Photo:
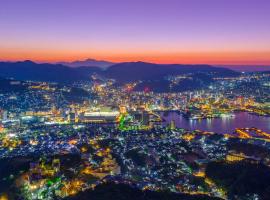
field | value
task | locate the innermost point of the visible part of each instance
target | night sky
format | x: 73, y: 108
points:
x: 162, y: 31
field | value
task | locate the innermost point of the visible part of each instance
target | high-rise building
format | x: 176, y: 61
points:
x: 72, y: 117
x: 145, y: 118
x: 4, y: 115
x: 172, y: 125
x: 123, y: 109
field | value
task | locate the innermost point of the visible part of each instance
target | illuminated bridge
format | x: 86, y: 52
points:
x: 252, y: 133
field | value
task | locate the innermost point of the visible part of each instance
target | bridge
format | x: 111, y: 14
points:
x: 248, y: 133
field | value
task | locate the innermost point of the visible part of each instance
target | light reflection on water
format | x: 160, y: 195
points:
x: 219, y: 125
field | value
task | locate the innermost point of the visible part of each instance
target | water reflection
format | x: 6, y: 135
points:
x: 219, y: 125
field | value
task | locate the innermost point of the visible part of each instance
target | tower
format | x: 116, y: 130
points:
x: 172, y: 125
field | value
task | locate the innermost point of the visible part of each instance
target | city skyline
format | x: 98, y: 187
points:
x: 134, y: 99
x: 224, y: 33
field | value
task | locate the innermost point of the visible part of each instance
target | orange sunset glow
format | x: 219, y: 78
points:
x: 248, y: 58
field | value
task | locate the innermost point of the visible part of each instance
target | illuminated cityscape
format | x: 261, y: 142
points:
x: 76, y: 136
x: 134, y: 124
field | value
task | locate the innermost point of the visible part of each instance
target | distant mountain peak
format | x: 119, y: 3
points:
x: 93, y: 60
x: 89, y: 62
x: 27, y: 62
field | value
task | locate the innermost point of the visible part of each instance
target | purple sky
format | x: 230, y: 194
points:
x: 221, y: 31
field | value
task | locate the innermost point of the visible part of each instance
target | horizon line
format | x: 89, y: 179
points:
x: 134, y: 61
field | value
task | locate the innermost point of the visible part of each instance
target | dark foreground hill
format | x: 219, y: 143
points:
x: 193, y: 82
x: 151, y: 76
x: 241, y: 180
x: 132, y: 71
x: 7, y: 85
x: 29, y: 70
x: 111, y: 191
